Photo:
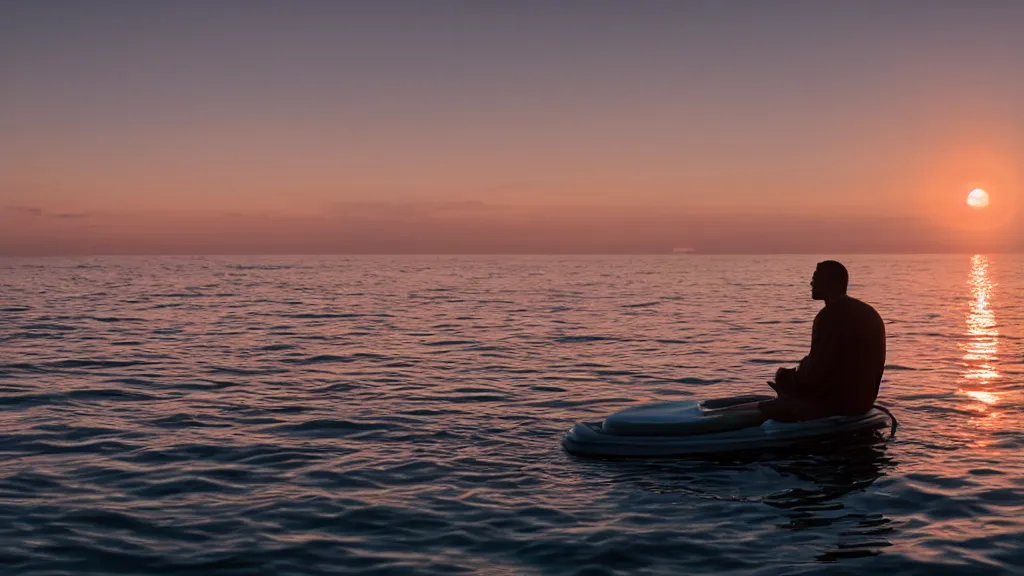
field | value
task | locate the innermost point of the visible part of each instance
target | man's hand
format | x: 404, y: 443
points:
x: 784, y: 379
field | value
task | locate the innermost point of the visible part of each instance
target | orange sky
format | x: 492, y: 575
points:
x: 352, y: 128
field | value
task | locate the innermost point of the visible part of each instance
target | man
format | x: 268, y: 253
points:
x: 842, y: 372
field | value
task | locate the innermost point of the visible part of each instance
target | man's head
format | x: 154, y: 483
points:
x: 830, y: 281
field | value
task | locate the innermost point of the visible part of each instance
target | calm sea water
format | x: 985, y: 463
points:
x: 402, y: 415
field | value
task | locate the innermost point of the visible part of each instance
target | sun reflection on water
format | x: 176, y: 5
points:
x: 986, y: 397
x: 982, y: 344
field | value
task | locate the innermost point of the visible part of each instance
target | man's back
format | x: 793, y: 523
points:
x: 844, y: 368
x: 861, y: 359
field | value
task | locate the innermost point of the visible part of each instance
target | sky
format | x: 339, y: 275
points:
x: 490, y: 126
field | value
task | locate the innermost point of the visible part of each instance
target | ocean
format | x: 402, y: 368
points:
x: 403, y: 415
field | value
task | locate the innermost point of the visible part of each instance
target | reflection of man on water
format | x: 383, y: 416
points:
x: 842, y: 372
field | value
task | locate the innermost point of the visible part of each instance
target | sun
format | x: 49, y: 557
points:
x: 978, y: 198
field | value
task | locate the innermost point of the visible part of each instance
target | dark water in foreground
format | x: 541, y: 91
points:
x: 403, y: 415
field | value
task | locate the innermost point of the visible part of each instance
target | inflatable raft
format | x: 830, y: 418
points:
x: 705, y: 427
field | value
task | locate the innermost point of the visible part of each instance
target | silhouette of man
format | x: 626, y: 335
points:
x: 842, y: 372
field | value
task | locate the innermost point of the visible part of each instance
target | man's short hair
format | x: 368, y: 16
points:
x: 834, y: 273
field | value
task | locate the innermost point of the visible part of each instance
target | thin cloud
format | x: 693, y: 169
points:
x: 415, y: 208
x: 24, y: 211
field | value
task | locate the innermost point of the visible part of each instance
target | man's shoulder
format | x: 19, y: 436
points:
x: 860, y: 303
x: 862, y: 306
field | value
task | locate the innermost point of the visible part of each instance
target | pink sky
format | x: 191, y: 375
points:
x: 353, y: 128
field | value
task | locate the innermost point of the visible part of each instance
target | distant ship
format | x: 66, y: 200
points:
x: 683, y: 250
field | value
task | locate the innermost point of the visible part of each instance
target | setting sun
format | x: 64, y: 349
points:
x: 978, y: 198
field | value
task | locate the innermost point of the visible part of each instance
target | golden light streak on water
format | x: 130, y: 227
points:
x: 982, y: 344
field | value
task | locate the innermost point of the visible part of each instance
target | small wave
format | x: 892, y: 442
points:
x: 117, y: 520
x: 131, y: 381
x: 485, y: 348
x: 472, y: 390
x: 260, y: 267
x: 27, y: 399
x: 700, y: 381
x: 185, y: 485
x: 183, y: 420
x: 341, y: 481
x: 333, y: 426
x: 274, y: 457
x: 322, y: 359
x: 641, y: 305
x: 166, y: 305
x: 53, y: 327
x: 113, y: 319
x: 563, y: 403
x: 449, y: 343
x: 852, y: 551
x: 547, y: 389
x: 246, y: 372
x: 460, y: 399
x: 36, y: 336
x: 472, y: 398
x: 432, y: 412
x: 97, y: 363
x: 325, y: 315
x: 619, y: 373
x: 278, y: 347
x: 985, y: 472
x: 25, y: 366
x: 583, y: 339
x: 107, y: 394
x: 107, y: 446
x: 79, y: 433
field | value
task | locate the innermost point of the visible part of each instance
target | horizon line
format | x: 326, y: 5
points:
x: 431, y: 254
